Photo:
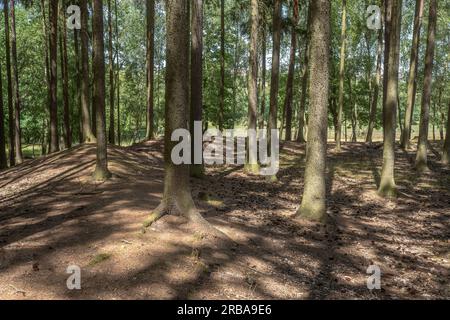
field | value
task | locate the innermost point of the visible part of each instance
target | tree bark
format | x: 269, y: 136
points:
x: 177, y: 197
x: 422, y: 148
x: 376, y: 89
x: 275, y: 77
x: 222, y: 66
x: 12, y: 153
x: 263, y: 73
x: 252, y: 162
x: 53, y: 48
x: 3, y: 158
x: 391, y: 68
x: 446, y: 150
x: 65, y: 80
x: 196, y: 110
x: 313, y: 205
x: 119, y: 134
x: 412, y: 78
x: 15, y: 81
x: 112, y: 92
x: 88, y: 135
x: 101, y: 172
x: 342, y: 73
x: 290, y: 80
x: 150, y: 8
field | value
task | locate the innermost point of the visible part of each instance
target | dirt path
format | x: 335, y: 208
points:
x: 52, y: 216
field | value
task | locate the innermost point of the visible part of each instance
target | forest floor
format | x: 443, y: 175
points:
x: 52, y: 216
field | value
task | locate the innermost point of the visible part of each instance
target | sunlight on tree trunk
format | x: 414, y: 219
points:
x: 342, y: 73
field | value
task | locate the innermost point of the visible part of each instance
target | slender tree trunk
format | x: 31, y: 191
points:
x: 65, y: 80
x: 263, y: 73
x: 446, y: 150
x: 12, y: 153
x: 275, y: 77
x: 342, y: 72
x: 119, y: 138
x: 252, y: 161
x: 177, y: 197
x: 305, y: 74
x: 112, y: 92
x: 422, y: 148
x: 313, y: 205
x: 53, y: 48
x: 150, y: 67
x: 88, y: 135
x: 290, y: 80
x: 412, y: 78
x: 236, y: 67
x: 3, y: 158
x: 392, y: 49
x: 376, y: 89
x: 101, y: 171
x: 78, y: 81
x: 222, y: 66
x: 15, y: 81
x: 196, y: 110
x: 354, y: 112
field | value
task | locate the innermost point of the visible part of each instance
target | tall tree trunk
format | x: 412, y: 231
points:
x: 313, y: 205
x: 119, y: 137
x: 446, y: 150
x: 150, y: 67
x: 422, y: 148
x: 88, y: 135
x: 275, y: 77
x: 112, y: 92
x: 376, y: 89
x: 78, y: 82
x: 354, y: 112
x: 101, y: 172
x: 252, y: 161
x: 3, y: 158
x: 65, y: 79
x: 222, y: 66
x: 263, y: 73
x: 12, y: 153
x: 290, y: 80
x: 53, y: 48
x: 196, y: 110
x: 305, y: 74
x: 15, y: 81
x: 391, y: 69
x: 177, y: 197
x: 412, y: 78
x: 236, y: 67
x: 342, y: 72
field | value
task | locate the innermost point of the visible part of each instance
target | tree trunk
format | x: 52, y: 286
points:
x: 112, y: 92
x: 101, y: 172
x: 422, y: 148
x: 53, y: 48
x: 222, y: 66
x: 3, y: 159
x: 446, y: 150
x: 342, y: 73
x: 263, y: 74
x: 305, y: 74
x: 177, y: 197
x: 12, y: 153
x: 65, y: 80
x: 275, y: 77
x: 15, y: 81
x: 313, y: 205
x: 412, y: 78
x: 150, y: 8
x: 196, y: 110
x: 78, y: 82
x: 376, y: 89
x: 252, y: 162
x: 392, y: 48
x: 119, y: 137
x: 88, y: 135
x: 290, y: 80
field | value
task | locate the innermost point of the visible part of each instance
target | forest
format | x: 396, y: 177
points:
x: 231, y: 150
